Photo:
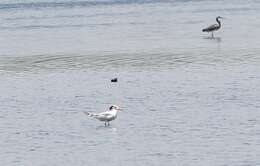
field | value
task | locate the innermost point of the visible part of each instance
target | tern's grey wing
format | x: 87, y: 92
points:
x: 104, y: 116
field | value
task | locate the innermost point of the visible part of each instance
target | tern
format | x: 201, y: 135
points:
x: 106, y: 116
x: 213, y: 27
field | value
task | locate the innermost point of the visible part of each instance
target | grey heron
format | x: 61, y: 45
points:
x: 213, y: 27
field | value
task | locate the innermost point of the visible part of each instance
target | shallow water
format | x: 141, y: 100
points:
x: 188, y: 99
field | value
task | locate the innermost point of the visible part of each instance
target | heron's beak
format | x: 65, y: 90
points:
x: 120, y: 109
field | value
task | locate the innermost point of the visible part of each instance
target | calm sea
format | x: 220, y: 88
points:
x: 188, y: 99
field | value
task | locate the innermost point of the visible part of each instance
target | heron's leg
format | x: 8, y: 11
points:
x: 108, y: 123
x: 212, y: 35
x: 105, y: 123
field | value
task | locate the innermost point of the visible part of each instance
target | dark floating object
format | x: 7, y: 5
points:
x: 114, y: 80
x: 214, y: 27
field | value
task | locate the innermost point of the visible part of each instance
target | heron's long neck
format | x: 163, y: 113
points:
x: 219, y: 23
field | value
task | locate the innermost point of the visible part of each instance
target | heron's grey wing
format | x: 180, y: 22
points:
x: 211, y: 28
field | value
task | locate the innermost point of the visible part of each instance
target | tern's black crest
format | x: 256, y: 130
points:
x: 111, y: 107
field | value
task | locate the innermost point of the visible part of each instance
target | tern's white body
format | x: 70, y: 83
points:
x: 106, y: 116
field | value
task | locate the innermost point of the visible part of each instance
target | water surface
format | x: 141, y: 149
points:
x: 188, y: 99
